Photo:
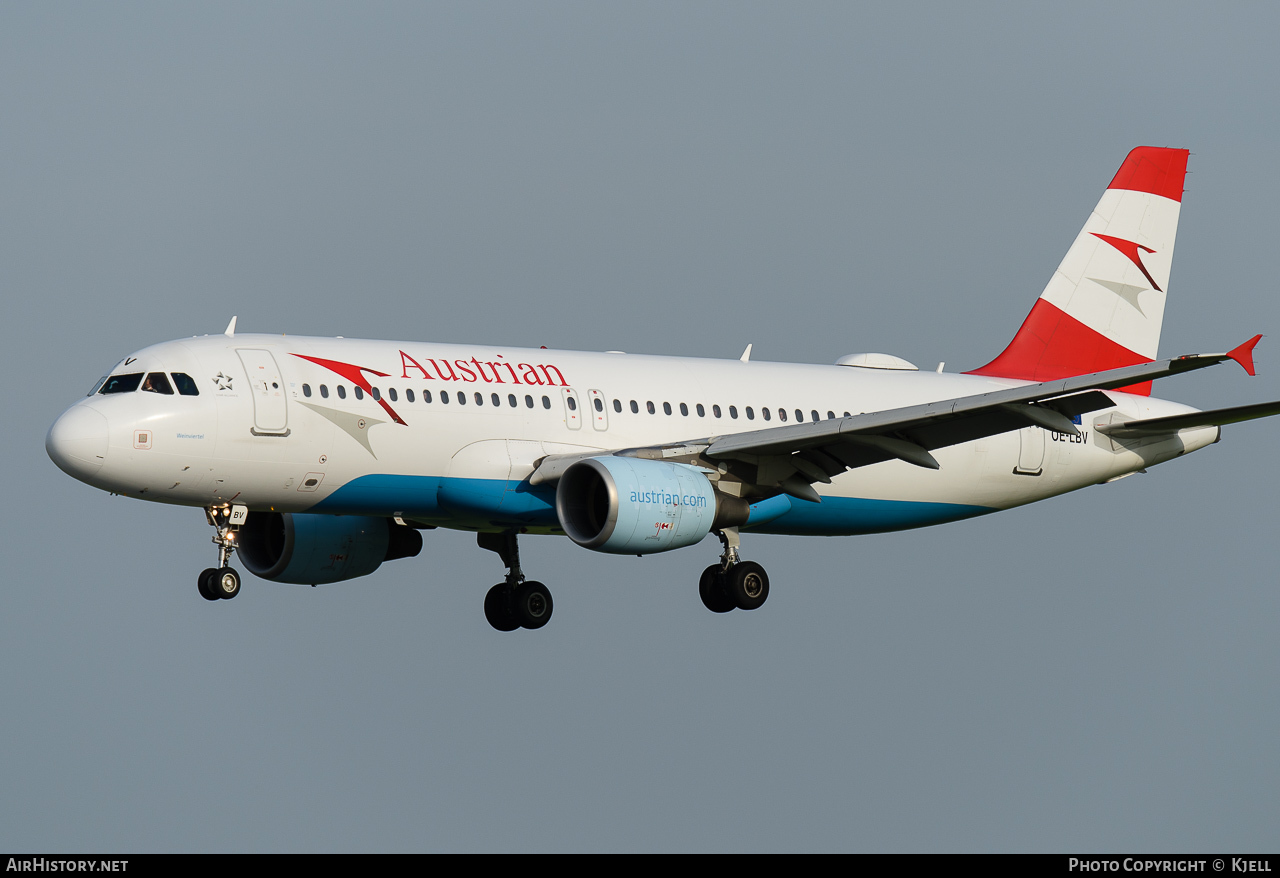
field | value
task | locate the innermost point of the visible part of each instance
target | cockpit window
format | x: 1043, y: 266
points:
x: 122, y: 383
x: 158, y: 382
x: 186, y: 384
x: 97, y: 385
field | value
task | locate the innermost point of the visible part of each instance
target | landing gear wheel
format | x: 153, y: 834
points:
x: 747, y: 585
x: 497, y: 608
x: 531, y: 604
x: 225, y: 583
x: 711, y: 590
x: 205, y: 583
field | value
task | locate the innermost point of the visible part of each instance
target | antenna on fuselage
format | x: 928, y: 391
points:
x: 746, y: 355
x: 231, y: 329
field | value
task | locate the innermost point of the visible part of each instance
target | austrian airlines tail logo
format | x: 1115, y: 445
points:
x: 1130, y: 249
x: 355, y: 374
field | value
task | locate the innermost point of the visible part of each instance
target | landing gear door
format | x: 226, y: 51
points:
x: 270, y: 417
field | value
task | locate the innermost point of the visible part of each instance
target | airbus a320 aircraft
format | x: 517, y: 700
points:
x: 317, y: 459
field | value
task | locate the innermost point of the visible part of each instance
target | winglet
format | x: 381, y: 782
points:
x: 746, y: 355
x: 1244, y: 354
x: 231, y: 329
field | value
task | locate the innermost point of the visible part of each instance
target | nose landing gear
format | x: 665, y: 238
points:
x: 515, y: 602
x: 222, y: 582
x: 733, y: 583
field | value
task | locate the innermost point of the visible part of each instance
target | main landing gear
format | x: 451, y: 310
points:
x: 222, y: 582
x: 733, y: 583
x: 515, y: 602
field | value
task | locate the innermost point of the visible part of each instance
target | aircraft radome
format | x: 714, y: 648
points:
x: 318, y: 459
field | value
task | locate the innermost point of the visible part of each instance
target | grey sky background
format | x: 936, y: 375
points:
x: 1093, y: 673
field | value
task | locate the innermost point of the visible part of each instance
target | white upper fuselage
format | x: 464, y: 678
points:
x: 281, y: 423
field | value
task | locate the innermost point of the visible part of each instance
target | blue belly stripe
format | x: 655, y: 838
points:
x: 492, y: 501
x: 847, y: 516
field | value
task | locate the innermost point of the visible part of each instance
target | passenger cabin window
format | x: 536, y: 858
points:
x: 359, y: 393
x: 462, y: 398
x: 495, y: 399
x: 617, y: 406
x: 186, y: 384
x: 702, y: 413
x: 635, y: 407
x: 157, y: 382
x: 306, y: 389
x: 715, y: 410
x: 666, y: 407
x: 122, y: 383
x: 599, y: 404
x: 444, y: 397
x: 649, y: 406
x: 479, y: 399
x: 546, y: 402
x: 375, y: 393
x: 751, y: 414
x: 573, y: 403
x: 511, y: 400
x: 391, y: 393
x: 408, y: 395
x: 815, y: 417
x: 324, y: 391
x: 764, y: 412
x: 733, y: 412
x: 831, y: 416
x: 342, y: 392
x: 528, y: 401
x: 684, y: 410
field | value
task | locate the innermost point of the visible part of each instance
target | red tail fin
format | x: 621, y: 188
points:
x: 1104, y: 306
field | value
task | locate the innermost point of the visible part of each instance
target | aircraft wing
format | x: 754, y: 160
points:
x: 791, y: 458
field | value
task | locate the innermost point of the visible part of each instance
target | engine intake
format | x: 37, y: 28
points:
x: 308, y: 549
x: 626, y: 505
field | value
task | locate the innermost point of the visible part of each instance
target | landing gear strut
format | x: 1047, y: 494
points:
x: 222, y: 582
x: 733, y: 583
x: 515, y: 602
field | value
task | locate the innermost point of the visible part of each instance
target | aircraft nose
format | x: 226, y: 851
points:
x: 77, y: 441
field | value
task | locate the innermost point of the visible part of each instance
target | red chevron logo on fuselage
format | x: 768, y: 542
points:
x: 355, y: 374
x: 1130, y: 249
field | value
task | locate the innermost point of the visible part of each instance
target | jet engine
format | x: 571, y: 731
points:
x: 311, y: 549
x: 630, y: 506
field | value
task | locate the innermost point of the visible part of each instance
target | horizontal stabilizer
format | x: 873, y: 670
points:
x: 1174, y: 423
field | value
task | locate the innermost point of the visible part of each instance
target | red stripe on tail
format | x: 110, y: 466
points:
x: 1153, y: 169
x: 1052, y: 344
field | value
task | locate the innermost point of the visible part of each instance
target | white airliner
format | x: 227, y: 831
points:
x: 317, y: 459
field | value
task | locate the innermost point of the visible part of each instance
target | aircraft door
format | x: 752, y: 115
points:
x: 270, y: 416
x: 572, y: 409
x: 1030, y: 451
x: 599, y: 410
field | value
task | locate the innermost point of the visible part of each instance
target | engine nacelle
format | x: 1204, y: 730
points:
x: 630, y: 506
x: 308, y: 549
